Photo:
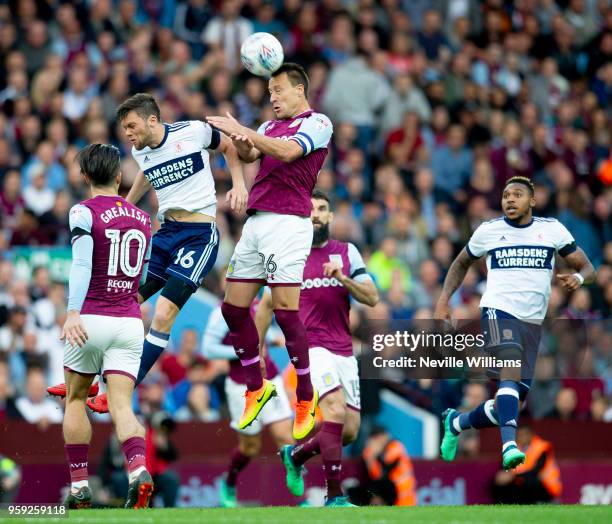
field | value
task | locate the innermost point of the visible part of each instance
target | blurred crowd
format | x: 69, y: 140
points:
x: 435, y: 103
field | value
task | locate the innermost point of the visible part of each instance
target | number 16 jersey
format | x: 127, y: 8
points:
x: 121, y: 234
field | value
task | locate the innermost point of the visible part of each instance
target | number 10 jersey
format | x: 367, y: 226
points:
x: 121, y: 234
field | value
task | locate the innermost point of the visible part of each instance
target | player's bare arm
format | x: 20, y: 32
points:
x: 283, y: 150
x: 363, y: 292
x: 585, y: 272
x: 237, y: 196
x: 139, y: 188
x: 247, y: 152
x: 453, y: 280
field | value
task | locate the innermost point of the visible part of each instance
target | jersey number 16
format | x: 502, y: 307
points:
x: 119, y: 255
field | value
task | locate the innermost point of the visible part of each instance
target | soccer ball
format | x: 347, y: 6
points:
x: 262, y: 54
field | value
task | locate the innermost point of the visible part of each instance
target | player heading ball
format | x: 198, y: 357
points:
x: 277, y: 236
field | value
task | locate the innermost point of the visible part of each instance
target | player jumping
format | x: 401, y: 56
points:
x: 277, y: 414
x: 103, y: 329
x: 520, y: 251
x: 334, y: 273
x: 174, y: 160
x: 277, y: 235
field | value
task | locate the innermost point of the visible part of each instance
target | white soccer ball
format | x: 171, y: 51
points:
x: 262, y: 54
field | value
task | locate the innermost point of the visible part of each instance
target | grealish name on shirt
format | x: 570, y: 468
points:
x: 117, y: 212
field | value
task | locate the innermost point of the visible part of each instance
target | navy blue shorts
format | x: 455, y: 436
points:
x: 503, y: 331
x: 186, y: 250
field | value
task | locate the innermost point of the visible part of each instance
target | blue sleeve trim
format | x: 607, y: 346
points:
x: 301, y: 142
x: 307, y: 138
x: 469, y: 252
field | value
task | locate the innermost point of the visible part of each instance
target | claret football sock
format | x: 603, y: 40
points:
x: 330, y: 443
x: 245, y: 339
x: 507, y: 400
x: 154, y: 345
x: 297, y: 347
x: 134, y: 451
x: 77, y: 463
x: 238, y: 462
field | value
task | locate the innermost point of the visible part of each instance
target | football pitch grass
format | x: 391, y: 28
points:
x: 385, y: 515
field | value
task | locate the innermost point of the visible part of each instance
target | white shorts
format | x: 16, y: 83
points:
x: 329, y: 372
x: 276, y: 409
x: 273, y: 248
x: 114, y: 346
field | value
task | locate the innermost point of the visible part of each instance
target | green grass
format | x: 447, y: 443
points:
x: 383, y: 515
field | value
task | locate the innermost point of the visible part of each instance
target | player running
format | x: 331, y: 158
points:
x: 276, y: 415
x: 334, y: 273
x: 277, y: 235
x: 174, y: 160
x: 520, y: 251
x: 103, y: 329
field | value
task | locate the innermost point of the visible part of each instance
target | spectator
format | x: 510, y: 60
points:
x: 535, y: 481
x: 368, y: 92
x: 38, y: 196
x: 391, y: 479
x: 405, y: 97
x: 161, y: 452
x: 384, y: 265
x: 451, y: 163
x: 225, y: 33
x: 35, y: 407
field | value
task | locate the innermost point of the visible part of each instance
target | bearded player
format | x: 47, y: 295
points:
x: 103, y: 329
x: 334, y: 275
x: 174, y: 161
x: 277, y: 236
x: 520, y: 252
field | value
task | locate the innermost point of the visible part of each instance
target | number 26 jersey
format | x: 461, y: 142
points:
x: 121, y: 235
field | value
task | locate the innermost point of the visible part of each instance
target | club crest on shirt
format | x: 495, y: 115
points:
x: 337, y: 259
x: 328, y: 380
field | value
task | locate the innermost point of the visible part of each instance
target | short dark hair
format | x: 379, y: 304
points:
x: 144, y: 105
x: 521, y: 180
x: 295, y: 73
x: 100, y: 162
x: 317, y: 194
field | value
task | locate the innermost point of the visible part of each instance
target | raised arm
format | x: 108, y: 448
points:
x: 283, y: 150
x: 140, y: 186
x: 238, y: 195
x: 453, y: 280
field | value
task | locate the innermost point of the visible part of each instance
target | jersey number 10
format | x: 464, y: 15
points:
x: 119, y: 255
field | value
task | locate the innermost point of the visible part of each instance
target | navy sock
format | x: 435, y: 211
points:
x: 154, y: 345
x: 507, y: 400
x: 484, y: 416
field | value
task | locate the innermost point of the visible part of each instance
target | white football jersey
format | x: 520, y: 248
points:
x: 520, y: 262
x: 179, y: 167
